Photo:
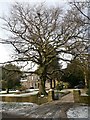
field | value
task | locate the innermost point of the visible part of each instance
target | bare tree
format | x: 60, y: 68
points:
x: 84, y: 9
x: 33, y: 32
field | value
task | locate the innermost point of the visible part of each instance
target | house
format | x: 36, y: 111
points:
x: 33, y: 81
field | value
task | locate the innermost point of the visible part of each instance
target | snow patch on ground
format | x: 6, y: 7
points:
x: 78, y: 112
x: 17, y: 107
x: 22, y: 94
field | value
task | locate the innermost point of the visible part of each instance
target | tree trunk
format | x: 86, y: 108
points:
x: 43, y: 77
x: 42, y: 90
x: 86, y: 80
x: 7, y: 90
x: 51, y: 83
x: 54, y: 84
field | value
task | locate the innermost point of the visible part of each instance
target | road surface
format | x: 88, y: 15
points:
x: 55, y: 109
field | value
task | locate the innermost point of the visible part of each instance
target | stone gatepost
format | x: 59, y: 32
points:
x: 50, y: 95
x: 76, y: 95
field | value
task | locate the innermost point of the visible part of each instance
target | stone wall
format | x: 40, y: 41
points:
x: 20, y: 98
x: 80, y: 98
x: 31, y: 98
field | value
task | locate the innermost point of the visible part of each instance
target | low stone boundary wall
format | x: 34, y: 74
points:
x: 19, y: 98
x: 79, y: 98
x: 31, y: 98
x: 85, y: 99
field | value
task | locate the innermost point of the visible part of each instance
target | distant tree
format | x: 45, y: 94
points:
x: 84, y: 9
x: 54, y: 71
x: 11, y: 76
x: 74, y: 73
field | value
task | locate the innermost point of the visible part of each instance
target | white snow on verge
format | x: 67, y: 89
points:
x: 78, y: 112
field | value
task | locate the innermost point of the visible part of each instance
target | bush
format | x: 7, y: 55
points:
x: 59, y: 86
x: 88, y: 92
x: 66, y: 85
x: 22, y: 88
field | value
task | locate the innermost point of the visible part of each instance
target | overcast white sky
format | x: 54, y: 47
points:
x: 5, y: 51
x: 4, y: 7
